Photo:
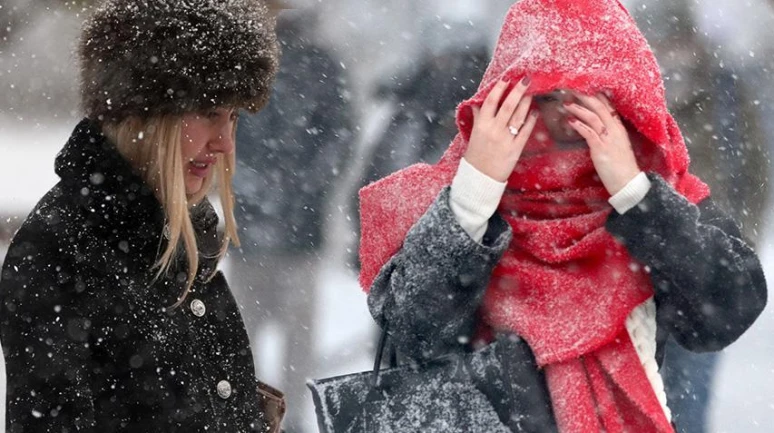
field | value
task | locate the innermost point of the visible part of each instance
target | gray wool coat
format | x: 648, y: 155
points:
x: 709, y: 287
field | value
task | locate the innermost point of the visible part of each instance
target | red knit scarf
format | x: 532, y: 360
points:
x: 566, y: 286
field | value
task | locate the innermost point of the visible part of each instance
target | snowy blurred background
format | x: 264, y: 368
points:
x: 399, y: 67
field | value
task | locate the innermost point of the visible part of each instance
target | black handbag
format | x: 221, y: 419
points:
x: 464, y: 392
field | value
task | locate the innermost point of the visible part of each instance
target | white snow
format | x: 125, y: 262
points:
x: 27, y: 163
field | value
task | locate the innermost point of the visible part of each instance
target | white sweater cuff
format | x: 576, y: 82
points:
x: 474, y: 199
x: 632, y: 194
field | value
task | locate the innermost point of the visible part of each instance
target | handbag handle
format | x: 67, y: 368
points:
x: 379, y: 356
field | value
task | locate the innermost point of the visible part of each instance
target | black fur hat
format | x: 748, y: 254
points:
x: 150, y: 57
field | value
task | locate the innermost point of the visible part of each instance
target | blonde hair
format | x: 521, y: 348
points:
x: 153, y: 148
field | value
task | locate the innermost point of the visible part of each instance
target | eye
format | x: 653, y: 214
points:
x: 212, y: 114
x: 546, y: 98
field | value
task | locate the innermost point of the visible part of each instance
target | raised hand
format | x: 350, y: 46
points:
x: 611, y: 149
x: 500, y: 134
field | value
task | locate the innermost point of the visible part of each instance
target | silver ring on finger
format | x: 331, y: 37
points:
x: 513, y: 130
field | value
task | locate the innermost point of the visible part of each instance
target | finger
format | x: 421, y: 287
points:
x: 606, y: 101
x: 511, y: 103
x: 588, y: 134
x: 597, y: 106
x: 519, y: 116
x: 476, y: 110
x: 609, y: 106
x: 526, y: 131
x: 588, y: 117
x: 489, y: 108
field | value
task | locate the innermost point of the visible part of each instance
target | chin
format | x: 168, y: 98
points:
x: 570, y: 144
x: 193, y: 189
x: 570, y: 137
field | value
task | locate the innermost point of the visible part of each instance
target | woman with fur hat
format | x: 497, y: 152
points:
x: 563, y: 214
x: 114, y: 317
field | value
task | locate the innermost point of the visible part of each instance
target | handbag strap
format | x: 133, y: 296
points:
x: 378, y: 359
x: 393, y: 357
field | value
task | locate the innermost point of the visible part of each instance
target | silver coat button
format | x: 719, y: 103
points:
x: 224, y: 389
x: 198, y: 308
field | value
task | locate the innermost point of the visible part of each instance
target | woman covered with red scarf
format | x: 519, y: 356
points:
x: 564, y: 214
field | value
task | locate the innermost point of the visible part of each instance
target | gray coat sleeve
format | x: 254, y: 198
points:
x: 709, y: 283
x: 427, y: 295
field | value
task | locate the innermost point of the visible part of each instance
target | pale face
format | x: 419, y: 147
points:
x: 555, y: 117
x: 206, y: 137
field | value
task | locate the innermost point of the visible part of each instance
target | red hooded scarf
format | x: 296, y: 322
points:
x: 564, y: 285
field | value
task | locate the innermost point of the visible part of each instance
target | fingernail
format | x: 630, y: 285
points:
x: 526, y: 80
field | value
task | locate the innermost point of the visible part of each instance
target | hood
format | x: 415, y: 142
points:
x: 587, y: 46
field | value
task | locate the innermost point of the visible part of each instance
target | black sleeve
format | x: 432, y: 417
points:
x: 709, y: 282
x: 44, y: 333
x: 427, y: 295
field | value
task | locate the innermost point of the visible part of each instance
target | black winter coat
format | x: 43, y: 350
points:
x: 89, y: 341
x: 709, y: 288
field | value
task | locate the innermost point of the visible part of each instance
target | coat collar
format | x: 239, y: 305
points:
x: 119, y: 205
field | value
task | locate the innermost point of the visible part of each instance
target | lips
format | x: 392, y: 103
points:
x: 201, y: 168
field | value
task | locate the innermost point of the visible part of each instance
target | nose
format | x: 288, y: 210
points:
x: 567, y: 96
x: 223, y: 139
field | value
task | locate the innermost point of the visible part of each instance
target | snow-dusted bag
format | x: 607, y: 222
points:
x: 456, y: 393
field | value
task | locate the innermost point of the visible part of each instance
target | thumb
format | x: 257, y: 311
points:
x: 476, y: 110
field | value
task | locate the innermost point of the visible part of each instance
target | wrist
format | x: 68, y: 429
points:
x: 474, y: 198
x: 483, y: 165
x: 476, y: 189
x: 631, y: 194
x: 623, y: 180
